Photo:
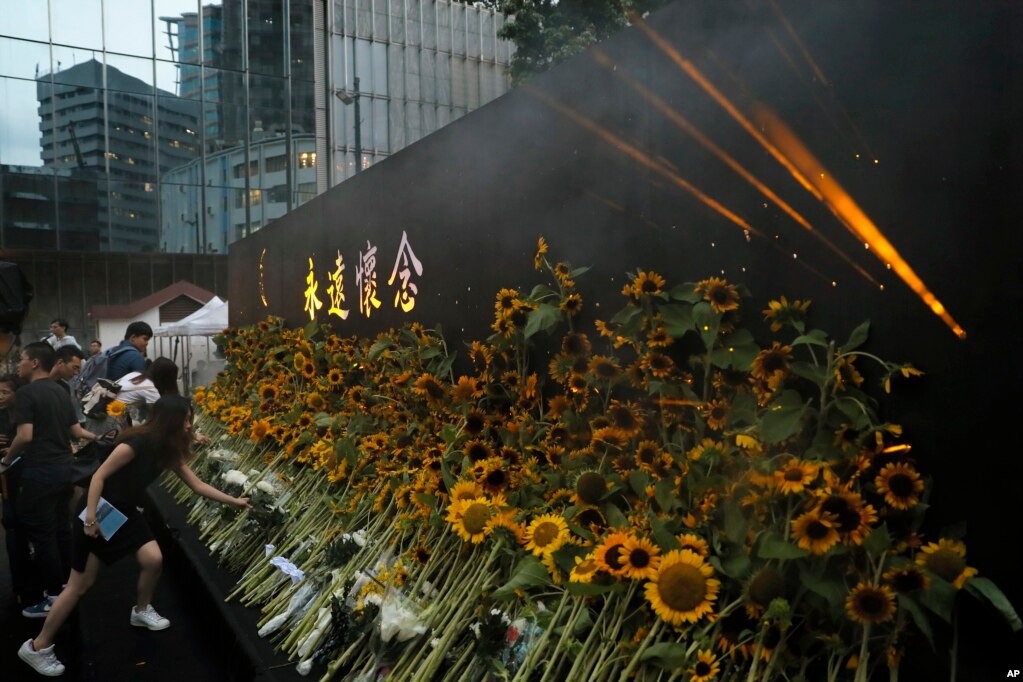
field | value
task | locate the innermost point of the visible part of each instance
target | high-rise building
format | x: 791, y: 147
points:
x: 102, y: 122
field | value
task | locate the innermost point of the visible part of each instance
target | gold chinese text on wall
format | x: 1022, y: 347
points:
x: 406, y: 265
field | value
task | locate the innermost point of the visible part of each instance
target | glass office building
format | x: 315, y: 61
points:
x: 181, y: 125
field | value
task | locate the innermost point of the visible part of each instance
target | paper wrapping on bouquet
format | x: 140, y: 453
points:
x: 522, y: 636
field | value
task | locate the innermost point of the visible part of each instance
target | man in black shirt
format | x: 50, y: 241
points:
x: 42, y: 451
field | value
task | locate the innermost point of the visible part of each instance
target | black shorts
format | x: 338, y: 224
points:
x: 127, y: 540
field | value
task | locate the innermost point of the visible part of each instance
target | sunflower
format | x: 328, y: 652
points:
x: 639, y: 558
x: 308, y: 369
x: 299, y: 362
x: 478, y: 450
x: 315, y: 402
x: 782, y: 312
x: 115, y: 408
x: 584, y: 570
x: 815, y: 531
x: 505, y: 303
x: 794, y: 476
x: 694, y: 543
x: 647, y: 452
x: 721, y: 295
x: 430, y: 387
x: 853, y: 518
x: 304, y: 421
x: 907, y: 579
x: 869, y: 604
x: 541, y: 249
x: 577, y: 383
x: 469, y: 518
x: 466, y: 389
x: 505, y: 518
x: 504, y: 327
x: 604, y: 368
x: 846, y: 373
x: 575, y: 344
x: 706, y: 668
x: 645, y: 284
x: 545, y: 534
x: 465, y: 490
x: 475, y: 422
x: 772, y: 364
x: 590, y: 487
x: 607, y: 553
x: 335, y: 376
x: 900, y: 484
x: 658, y: 364
x: 492, y: 474
x: 765, y: 586
x: 268, y: 393
x: 947, y: 560
x: 571, y: 304
x: 260, y: 430
x: 557, y: 406
x: 682, y: 590
x: 659, y: 337
x: 716, y: 414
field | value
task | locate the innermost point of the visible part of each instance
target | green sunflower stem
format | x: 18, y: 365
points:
x: 756, y: 653
x: 634, y: 661
x: 862, y: 662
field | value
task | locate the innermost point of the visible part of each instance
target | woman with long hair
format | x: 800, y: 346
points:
x: 162, y: 443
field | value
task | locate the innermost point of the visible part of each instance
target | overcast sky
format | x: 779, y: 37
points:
x: 78, y: 27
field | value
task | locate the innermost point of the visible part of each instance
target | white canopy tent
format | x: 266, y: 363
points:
x: 191, y: 336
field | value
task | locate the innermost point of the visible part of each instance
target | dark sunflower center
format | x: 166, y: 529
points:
x: 720, y: 295
x: 816, y: 530
x: 545, y: 533
x: 639, y: 558
x: 946, y: 564
x: 682, y: 587
x: 590, y: 487
x: 702, y: 669
x: 794, y: 475
x: 588, y: 517
x: 766, y: 586
x: 507, y: 302
x: 606, y: 370
x: 475, y: 518
x: 612, y: 558
x: 433, y: 389
x: 474, y: 424
x: 773, y: 363
x: 659, y: 362
x: 478, y: 452
x: 646, y: 455
x: 624, y: 419
x: 901, y: 485
x: 496, y: 478
x: 648, y: 286
x: 871, y: 604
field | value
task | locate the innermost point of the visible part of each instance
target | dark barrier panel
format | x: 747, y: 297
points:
x: 913, y: 108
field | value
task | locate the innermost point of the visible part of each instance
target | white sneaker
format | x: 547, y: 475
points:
x: 148, y: 618
x: 43, y: 661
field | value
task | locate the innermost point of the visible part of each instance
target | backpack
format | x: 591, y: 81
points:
x: 95, y: 402
x: 96, y: 368
x: 89, y: 458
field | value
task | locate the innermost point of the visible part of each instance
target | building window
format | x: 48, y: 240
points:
x: 276, y: 163
x: 307, y: 160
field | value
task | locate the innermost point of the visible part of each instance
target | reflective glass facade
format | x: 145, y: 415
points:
x: 182, y: 125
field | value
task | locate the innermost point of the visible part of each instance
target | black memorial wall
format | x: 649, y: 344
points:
x: 914, y: 109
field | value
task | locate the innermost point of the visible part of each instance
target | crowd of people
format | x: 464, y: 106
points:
x: 52, y: 497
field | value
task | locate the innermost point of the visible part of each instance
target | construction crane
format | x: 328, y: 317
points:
x: 74, y: 142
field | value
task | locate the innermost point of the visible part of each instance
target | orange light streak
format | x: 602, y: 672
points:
x: 641, y: 158
x: 799, y: 43
x: 845, y: 208
x: 694, y: 73
x: 724, y: 157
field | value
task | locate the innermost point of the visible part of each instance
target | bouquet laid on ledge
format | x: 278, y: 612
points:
x: 664, y: 498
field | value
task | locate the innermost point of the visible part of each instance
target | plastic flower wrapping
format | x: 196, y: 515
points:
x: 658, y: 496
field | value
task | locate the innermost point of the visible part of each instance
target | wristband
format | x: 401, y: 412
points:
x: 89, y: 524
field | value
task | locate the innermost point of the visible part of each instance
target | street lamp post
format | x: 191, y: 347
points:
x: 353, y: 98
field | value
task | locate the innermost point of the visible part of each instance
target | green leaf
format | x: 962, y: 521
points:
x: 982, y: 587
x: 662, y: 536
x: 811, y: 372
x: 737, y: 351
x: 615, y: 517
x: 545, y: 317
x: 668, y: 655
x: 678, y: 319
x: 706, y: 322
x: 774, y: 546
x: 541, y: 291
x: 664, y: 494
x: 939, y: 598
x: 831, y: 589
x: 626, y: 314
x: 529, y: 572
x: 588, y: 589
x: 579, y: 271
x: 923, y: 623
x: 857, y: 338
x: 815, y: 337
x: 638, y: 481
x: 379, y: 347
x: 309, y: 331
x: 878, y: 541
x: 783, y: 417
x: 685, y: 292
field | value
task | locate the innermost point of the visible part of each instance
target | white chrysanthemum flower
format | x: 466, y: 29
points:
x: 397, y: 621
x: 266, y: 487
x: 235, y: 477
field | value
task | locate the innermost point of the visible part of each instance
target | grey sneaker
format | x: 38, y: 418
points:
x: 43, y: 661
x: 148, y: 618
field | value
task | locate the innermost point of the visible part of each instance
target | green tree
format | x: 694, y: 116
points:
x: 545, y: 32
